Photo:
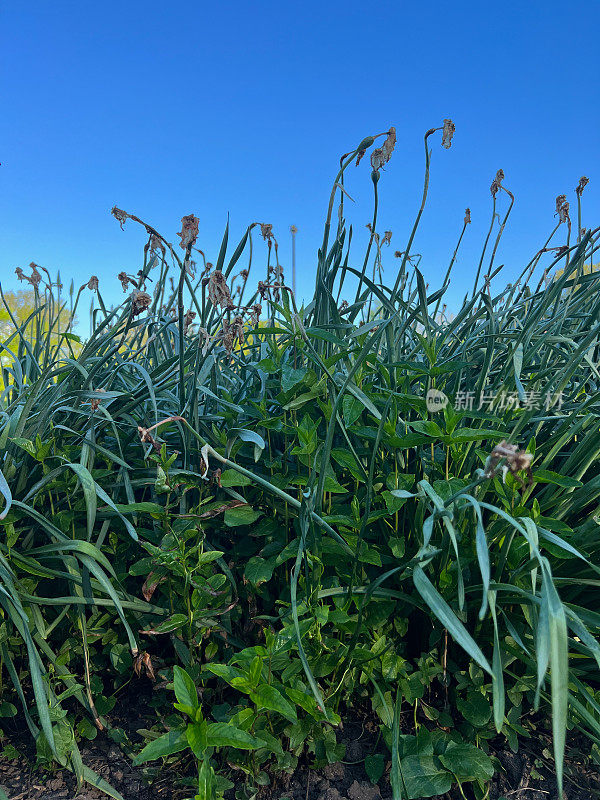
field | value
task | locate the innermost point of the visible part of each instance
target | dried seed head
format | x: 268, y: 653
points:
x: 124, y: 278
x: 583, y: 182
x: 398, y: 254
x: 255, y: 316
x: 389, y: 144
x: 189, y: 231
x: 448, y: 133
x: 497, y: 182
x: 120, y: 215
x: 377, y: 158
x: 227, y: 336
x: 238, y: 329
x: 562, y: 209
x: 20, y: 274
x: 263, y: 290
x: 266, y: 230
x: 93, y: 283
x: 387, y: 237
x: 467, y: 216
x: 516, y: 460
x: 140, y: 301
x: 188, y: 319
x: 218, y: 291
x: 35, y: 278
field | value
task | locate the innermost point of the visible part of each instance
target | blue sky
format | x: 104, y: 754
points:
x: 235, y: 108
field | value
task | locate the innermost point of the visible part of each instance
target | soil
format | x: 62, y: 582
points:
x: 346, y: 780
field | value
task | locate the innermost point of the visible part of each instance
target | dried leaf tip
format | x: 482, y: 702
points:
x: 583, y: 182
x: 189, y: 231
x: 448, y: 133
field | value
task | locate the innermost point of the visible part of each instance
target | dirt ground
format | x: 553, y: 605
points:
x: 346, y: 780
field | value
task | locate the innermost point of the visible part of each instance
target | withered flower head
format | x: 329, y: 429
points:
x: 255, y: 316
x: 124, y: 278
x: 389, y: 144
x: 189, y: 231
x: 562, y: 209
x: 263, y: 290
x: 93, y: 283
x: 467, y: 216
x: 387, y: 237
x: 516, y: 460
x: 140, y: 301
x: 448, y: 133
x: 218, y: 291
x: 266, y: 230
x: 497, y: 182
x: 20, y: 274
x: 238, y: 329
x: 120, y: 215
x: 35, y: 278
x: 188, y: 319
x: 583, y: 182
x: 377, y: 158
x: 156, y: 244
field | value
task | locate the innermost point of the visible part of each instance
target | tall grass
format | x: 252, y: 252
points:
x: 476, y: 525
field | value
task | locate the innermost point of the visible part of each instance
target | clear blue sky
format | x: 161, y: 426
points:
x: 169, y: 108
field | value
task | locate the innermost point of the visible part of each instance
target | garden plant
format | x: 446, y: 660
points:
x: 286, y: 514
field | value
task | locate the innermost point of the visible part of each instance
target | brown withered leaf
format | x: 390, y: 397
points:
x: 151, y: 584
x: 143, y: 662
x: 214, y: 512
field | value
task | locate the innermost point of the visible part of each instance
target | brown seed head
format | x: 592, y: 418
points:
x: 120, y: 215
x: 218, y: 291
x: 266, y: 230
x: 467, y: 216
x: 583, y: 182
x: 448, y: 133
x: 93, y: 283
x: 140, y: 301
x: 189, y: 231
x: 497, y: 182
x: 124, y: 278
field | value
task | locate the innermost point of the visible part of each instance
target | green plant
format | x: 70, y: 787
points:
x: 326, y: 508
